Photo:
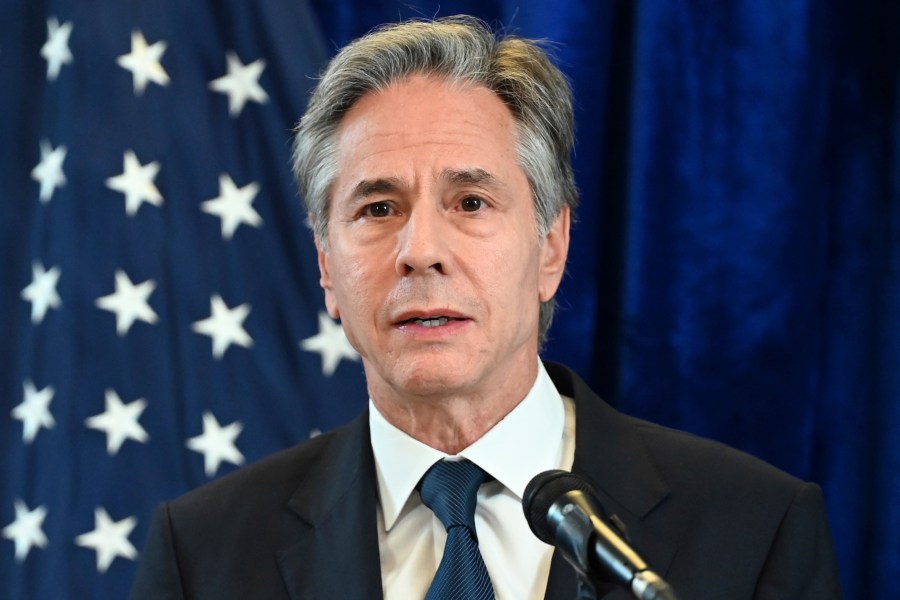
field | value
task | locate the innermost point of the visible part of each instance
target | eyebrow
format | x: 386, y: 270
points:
x: 470, y: 177
x: 370, y: 187
x: 388, y: 185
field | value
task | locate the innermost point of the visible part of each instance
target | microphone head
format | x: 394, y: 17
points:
x: 542, y: 491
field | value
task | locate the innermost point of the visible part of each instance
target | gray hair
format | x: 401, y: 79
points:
x: 459, y: 49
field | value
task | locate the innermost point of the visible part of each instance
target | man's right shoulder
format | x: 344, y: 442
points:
x: 267, y: 483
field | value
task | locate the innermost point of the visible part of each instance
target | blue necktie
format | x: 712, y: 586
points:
x: 449, y: 489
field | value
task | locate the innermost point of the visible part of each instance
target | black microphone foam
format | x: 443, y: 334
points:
x: 545, y: 489
x: 578, y: 528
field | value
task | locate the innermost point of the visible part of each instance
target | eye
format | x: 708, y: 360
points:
x: 377, y: 210
x: 471, y: 204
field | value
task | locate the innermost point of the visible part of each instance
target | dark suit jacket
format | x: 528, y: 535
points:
x: 714, y: 522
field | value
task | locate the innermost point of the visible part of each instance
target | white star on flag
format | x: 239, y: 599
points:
x: 136, y: 182
x: 129, y: 302
x: 233, y: 205
x: 34, y: 411
x: 109, y: 539
x: 331, y: 343
x: 216, y: 443
x: 241, y: 83
x: 56, y: 49
x: 41, y: 292
x: 224, y: 326
x: 26, y: 530
x: 49, y: 172
x: 119, y: 422
x: 143, y: 62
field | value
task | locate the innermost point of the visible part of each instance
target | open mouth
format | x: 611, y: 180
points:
x: 429, y: 321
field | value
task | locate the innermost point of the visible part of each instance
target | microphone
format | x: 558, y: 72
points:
x: 562, y: 510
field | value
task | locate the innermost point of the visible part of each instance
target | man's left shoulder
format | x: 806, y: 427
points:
x: 683, y: 460
x: 687, y: 460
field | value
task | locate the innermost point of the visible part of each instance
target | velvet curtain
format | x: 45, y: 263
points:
x: 734, y: 269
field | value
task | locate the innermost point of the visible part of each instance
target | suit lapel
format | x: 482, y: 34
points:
x: 336, y: 555
x: 610, y: 454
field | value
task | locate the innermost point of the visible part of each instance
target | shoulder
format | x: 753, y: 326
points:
x: 714, y: 477
x: 737, y: 514
x: 205, y: 542
x: 267, y: 484
x: 644, y: 467
x: 698, y: 458
x: 682, y: 459
x: 696, y: 505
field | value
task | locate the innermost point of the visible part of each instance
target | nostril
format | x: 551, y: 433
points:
x: 408, y: 269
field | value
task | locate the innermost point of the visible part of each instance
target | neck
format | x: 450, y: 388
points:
x: 451, y: 422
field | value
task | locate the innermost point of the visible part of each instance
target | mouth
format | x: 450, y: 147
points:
x: 429, y: 319
x: 435, y: 321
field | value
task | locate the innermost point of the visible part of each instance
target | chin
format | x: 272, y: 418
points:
x: 431, y: 379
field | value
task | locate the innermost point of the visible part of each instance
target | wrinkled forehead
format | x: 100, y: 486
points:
x: 430, y: 114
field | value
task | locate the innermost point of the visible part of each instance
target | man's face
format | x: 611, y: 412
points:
x: 433, y: 260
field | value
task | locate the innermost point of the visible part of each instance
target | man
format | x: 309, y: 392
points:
x: 435, y: 163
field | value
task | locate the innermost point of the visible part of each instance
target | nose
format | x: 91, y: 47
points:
x: 422, y: 243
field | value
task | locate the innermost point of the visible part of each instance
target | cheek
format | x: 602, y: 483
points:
x: 517, y: 264
x: 357, y: 289
x: 508, y: 275
x: 521, y: 276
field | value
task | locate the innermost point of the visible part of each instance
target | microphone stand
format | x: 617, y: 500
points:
x: 585, y: 590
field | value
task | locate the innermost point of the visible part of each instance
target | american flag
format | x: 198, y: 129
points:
x: 159, y: 291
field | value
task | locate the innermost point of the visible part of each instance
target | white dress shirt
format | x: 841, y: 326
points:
x: 537, y: 435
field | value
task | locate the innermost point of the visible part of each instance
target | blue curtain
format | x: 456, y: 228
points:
x: 734, y: 269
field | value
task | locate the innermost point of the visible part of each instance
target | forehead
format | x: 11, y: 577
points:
x: 427, y: 123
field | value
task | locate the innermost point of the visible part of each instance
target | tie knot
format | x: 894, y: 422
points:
x: 449, y: 488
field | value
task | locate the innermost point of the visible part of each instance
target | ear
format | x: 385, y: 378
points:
x: 554, y: 252
x: 326, y: 282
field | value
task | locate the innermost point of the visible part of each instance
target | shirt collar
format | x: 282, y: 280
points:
x: 525, y: 442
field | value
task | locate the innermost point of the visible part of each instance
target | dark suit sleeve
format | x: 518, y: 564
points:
x: 158, y: 575
x: 801, y: 564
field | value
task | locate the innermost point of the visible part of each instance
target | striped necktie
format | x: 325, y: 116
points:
x: 449, y: 489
